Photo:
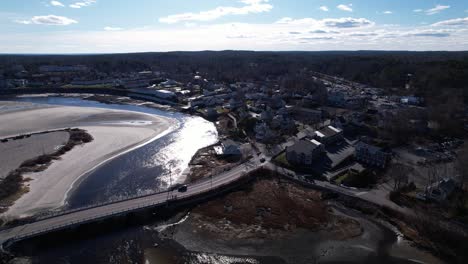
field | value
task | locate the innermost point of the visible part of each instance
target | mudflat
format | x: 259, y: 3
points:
x: 114, y: 132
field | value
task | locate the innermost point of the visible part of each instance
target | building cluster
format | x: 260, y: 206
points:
x: 315, y: 116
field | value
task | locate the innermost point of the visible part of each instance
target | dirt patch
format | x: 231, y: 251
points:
x: 205, y: 162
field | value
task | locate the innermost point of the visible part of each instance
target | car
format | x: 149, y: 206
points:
x: 182, y: 188
x: 262, y: 160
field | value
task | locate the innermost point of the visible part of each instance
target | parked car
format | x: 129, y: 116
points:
x: 182, y: 188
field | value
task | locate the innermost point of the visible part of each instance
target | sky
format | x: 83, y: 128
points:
x: 117, y: 26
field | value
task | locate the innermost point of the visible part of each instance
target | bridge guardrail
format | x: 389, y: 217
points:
x: 114, y: 201
x: 113, y: 213
x: 127, y: 198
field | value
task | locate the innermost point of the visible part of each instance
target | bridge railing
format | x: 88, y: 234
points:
x: 112, y: 201
x: 112, y: 213
x: 144, y: 205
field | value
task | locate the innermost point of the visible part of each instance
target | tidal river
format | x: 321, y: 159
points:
x: 152, y: 167
x: 146, y: 169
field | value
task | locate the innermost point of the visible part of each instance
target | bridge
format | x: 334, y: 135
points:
x: 91, y: 214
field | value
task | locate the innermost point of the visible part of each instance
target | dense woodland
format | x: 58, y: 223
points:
x: 432, y: 73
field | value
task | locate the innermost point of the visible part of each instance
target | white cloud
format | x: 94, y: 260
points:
x: 437, y: 9
x: 112, y: 28
x: 48, y: 20
x: 57, y: 3
x: 388, y: 12
x: 324, y: 34
x: 344, y: 22
x: 250, y: 6
x: 347, y: 8
x: 324, y: 8
x: 347, y: 22
x: 418, y: 10
x: 84, y: 3
x: 453, y: 22
x: 24, y: 22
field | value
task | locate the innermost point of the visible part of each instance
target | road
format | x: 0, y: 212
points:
x: 377, y: 196
x: 121, y: 207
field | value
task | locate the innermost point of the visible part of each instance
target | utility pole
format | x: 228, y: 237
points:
x: 211, y: 179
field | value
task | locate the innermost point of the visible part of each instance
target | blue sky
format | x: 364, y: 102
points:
x: 96, y: 26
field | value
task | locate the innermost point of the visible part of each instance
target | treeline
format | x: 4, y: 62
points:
x: 427, y: 72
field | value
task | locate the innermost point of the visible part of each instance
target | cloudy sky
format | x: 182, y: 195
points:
x: 108, y: 26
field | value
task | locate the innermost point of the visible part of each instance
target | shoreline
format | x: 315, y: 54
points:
x: 15, y: 181
x: 50, y: 188
x: 76, y: 183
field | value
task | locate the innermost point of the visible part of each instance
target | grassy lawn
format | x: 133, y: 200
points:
x: 340, y: 179
x: 221, y: 110
x: 281, y: 160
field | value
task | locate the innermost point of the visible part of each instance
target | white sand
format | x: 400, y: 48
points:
x: 114, y: 133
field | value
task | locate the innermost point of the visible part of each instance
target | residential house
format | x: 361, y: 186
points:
x: 411, y: 100
x: 339, y: 98
x: 371, y: 155
x: 441, y: 190
x: 234, y: 103
x: 307, y: 115
x: 228, y: 148
x: 303, y: 152
x: 329, y: 135
x: 263, y: 133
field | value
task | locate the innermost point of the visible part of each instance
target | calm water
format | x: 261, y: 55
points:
x: 143, y: 170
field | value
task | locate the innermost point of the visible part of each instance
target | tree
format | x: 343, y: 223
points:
x: 399, y: 172
x: 461, y: 167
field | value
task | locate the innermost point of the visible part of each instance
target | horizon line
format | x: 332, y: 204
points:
x: 227, y: 50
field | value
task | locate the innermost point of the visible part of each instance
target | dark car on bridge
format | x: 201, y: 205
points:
x: 182, y: 188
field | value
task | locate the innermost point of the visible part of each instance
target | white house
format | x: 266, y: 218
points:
x: 228, y: 148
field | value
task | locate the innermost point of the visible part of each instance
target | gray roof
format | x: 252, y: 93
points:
x: 328, y: 131
x: 304, y: 146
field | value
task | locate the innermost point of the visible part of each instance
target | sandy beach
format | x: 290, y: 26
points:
x: 114, y: 132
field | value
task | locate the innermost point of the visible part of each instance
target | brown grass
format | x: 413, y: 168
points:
x: 271, y: 204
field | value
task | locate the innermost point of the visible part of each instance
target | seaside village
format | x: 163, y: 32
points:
x: 325, y: 128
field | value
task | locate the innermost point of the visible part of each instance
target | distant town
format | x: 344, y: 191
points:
x: 394, y: 149
x: 330, y: 128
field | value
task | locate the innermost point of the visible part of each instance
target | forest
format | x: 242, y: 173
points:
x: 429, y: 73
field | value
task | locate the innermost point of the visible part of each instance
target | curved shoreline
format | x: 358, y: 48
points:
x: 116, y: 132
x: 81, y: 178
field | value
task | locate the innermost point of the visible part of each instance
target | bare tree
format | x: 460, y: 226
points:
x: 436, y: 172
x: 399, y: 173
x: 461, y: 167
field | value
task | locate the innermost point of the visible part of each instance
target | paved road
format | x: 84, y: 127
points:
x: 105, y: 211
x: 378, y: 196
